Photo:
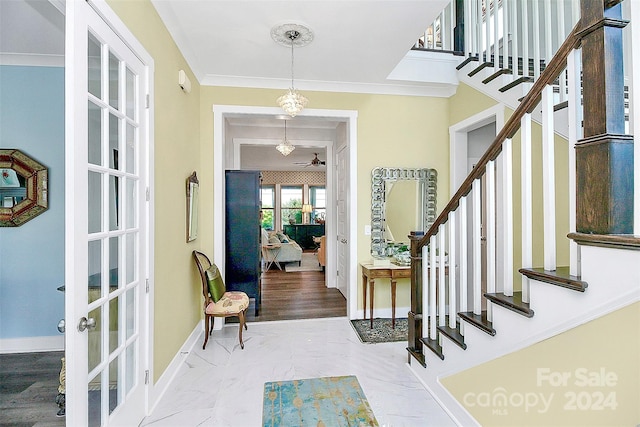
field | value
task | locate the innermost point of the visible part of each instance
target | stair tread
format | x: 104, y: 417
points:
x: 513, y: 303
x: 515, y: 83
x: 497, y: 74
x: 434, y: 346
x: 466, y: 61
x: 453, y: 334
x: 480, y: 68
x: 480, y: 321
x: 559, y: 277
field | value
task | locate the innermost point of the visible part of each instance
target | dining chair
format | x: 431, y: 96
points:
x: 217, y: 301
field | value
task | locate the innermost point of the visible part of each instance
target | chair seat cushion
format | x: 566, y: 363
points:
x: 231, y: 303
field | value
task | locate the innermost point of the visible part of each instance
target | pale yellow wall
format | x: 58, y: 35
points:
x: 177, y: 292
x: 467, y: 102
x: 609, y: 361
x: 393, y: 131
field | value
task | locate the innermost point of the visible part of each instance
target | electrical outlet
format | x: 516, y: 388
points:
x: 367, y: 230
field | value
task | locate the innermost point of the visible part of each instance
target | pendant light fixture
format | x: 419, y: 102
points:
x: 290, y: 35
x: 285, y: 147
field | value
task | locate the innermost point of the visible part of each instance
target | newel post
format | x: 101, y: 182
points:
x: 415, y: 315
x: 604, y: 157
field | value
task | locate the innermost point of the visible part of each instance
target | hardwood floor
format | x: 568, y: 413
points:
x: 297, y: 295
x: 28, y: 389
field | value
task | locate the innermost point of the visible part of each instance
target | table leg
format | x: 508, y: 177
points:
x: 364, y: 296
x: 371, y: 286
x: 393, y: 304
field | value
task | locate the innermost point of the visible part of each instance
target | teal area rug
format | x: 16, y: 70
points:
x: 317, y: 402
x: 381, y: 331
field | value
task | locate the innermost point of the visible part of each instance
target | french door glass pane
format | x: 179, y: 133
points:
x: 114, y: 138
x: 130, y: 313
x: 114, y: 385
x: 114, y: 263
x: 95, y: 403
x: 131, y: 204
x: 131, y: 144
x: 130, y: 96
x: 94, y: 281
x: 114, y: 80
x: 95, y: 134
x: 130, y: 367
x: 131, y: 257
x: 95, y: 202
x: 95, y: 338
x: 94, y: 67
x: 114, y: 320
x: 114, y: 208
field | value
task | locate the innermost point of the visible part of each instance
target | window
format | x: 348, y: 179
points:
x: 291, y: 204
x: 268, y: 201
x: 318, y: 199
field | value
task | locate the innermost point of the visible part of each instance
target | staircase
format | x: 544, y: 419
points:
x: 472, y: 301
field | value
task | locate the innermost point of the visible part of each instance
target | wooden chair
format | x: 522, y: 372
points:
x: 217, y: 301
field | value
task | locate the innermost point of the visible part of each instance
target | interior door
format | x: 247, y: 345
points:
x: 106, y: 224
x: 342, y: 229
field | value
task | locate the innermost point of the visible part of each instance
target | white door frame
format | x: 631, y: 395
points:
x: 219, y: 165
x: 76, y: 221
x: 458, y: 142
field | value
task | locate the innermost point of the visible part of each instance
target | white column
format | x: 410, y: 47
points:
x: 548, y: 179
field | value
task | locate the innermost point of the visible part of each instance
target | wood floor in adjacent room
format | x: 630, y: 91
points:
x: 28, y: 389
x: 297, y: 295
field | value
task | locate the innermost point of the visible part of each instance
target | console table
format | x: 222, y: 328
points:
x: 371, y: 272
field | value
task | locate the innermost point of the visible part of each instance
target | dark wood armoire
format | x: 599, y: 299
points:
x: 242, y: 233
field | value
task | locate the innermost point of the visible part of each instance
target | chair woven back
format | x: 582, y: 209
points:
x: 203, y: 262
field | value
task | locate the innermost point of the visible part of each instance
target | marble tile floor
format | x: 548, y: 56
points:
x: 223, y: 385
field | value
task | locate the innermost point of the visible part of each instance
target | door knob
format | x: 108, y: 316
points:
x: 61, y: 326
x: 86, y: 324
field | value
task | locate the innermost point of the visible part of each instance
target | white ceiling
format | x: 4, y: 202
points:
x: 356, y: 46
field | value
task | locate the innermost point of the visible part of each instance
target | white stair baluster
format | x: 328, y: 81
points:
x: 548, y: 179
x: 452, y: 269
x: 506, y: 161
x: 575, y: 133
x: 526, y: 191
x: 490, y: 231
x: 464, y: 239
x: 432, y: 288
x: 477, y: 246
x: 442, y: 234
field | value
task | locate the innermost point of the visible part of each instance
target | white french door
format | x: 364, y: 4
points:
x: 106, y: 263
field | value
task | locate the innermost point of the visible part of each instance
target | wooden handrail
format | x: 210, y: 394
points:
x: 527, y: 105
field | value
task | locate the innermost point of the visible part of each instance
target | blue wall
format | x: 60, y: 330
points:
x: 32, y: 255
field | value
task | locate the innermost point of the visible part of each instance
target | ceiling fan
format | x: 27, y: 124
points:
x: 314, y: 162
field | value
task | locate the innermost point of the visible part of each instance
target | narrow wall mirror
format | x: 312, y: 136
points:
x: 402, y: 200
x: 23, y: 188
x: 192, y: 207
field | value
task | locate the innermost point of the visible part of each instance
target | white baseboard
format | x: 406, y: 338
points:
x: 32, y: 344
x: 158, y: 389
x: 384, y: 313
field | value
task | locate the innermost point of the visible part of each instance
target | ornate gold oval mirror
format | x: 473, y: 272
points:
x: 23, y: 188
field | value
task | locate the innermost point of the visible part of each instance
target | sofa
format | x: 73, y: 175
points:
x: 290, y: 250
